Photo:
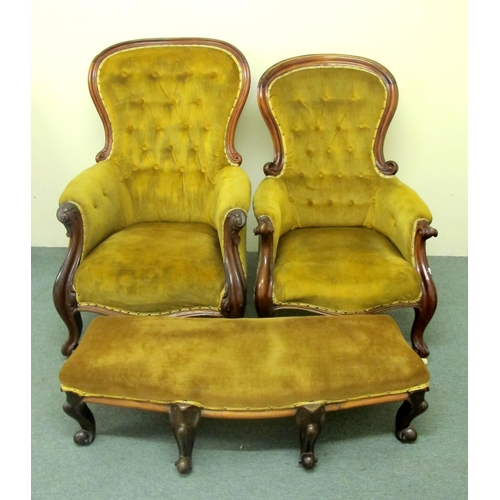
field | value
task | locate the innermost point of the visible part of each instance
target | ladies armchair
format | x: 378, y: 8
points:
x: 339, y: 232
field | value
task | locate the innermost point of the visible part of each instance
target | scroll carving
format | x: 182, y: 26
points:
x: 428, y: 302
x: 388, y: 167
x: 272, y: 168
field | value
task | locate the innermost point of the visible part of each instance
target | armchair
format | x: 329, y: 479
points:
x: 156, y: 226
x: 339, y: 233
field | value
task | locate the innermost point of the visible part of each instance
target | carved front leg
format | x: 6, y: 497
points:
x: 234, y: 300
x: 184, y: 419
x: 414, y: 406
x: 428, y: 302
x: 264, y: 283
x: 310, y: 420
x: 63, y: 293
x: 77, y: 409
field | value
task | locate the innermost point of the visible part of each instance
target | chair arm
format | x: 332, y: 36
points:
x: 102, y: 200
x: 397, y: 209
x: 271, y: 200
x: 227, y: 212
x: 232, y: 190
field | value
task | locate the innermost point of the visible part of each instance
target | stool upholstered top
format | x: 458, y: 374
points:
x: 243, y: 364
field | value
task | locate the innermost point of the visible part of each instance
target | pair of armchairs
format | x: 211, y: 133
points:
x: 157, y: 226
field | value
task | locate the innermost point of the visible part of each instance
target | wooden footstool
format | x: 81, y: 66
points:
x: 244, y: 368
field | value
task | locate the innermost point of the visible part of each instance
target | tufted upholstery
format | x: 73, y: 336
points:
x: 328, y: 135
x: 337, y: 228
x: 167, y: 200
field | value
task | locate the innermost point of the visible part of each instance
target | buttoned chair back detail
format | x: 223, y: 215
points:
x: 339, y: 233
x: 156, y: 225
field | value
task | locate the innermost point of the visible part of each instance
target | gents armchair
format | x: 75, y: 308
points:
x: 156, y: 226
x: 339, y: 233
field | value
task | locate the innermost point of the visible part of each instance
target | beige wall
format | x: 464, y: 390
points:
x: 424, y: 44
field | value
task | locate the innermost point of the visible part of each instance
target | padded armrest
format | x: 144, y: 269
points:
x: 271, y: 200
x: 232, y: 190
x: 103, y: 201
x: 397, y: 209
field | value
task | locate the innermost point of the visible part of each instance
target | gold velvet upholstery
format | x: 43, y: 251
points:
x: 157, y: 225
x: 339, y: 233
x: 243, y: 365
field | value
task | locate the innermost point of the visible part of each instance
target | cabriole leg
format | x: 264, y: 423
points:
x: 414, y: 406
x: 183, y: 421
x: 76, y: 408
x: 310, y: 420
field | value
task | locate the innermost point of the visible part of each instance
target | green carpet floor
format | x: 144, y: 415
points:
x: 134, y: 451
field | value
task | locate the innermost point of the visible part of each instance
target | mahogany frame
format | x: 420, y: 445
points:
x: 263, y: 292
x: 234, y: 298
x: 301, y: 62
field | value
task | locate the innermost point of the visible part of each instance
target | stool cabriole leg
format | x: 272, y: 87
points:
x: 414, y: 406
x: 310, y: 420
x: 76, y: 408
x: 184, y: 419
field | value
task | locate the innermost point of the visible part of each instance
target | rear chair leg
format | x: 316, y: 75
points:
x: 414, y: 406
x: 310, y: 420
x: 183, y: 420
x: 76, y: 408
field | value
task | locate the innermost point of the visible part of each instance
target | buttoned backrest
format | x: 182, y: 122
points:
x: 170, y: 109
x: 328, y: 116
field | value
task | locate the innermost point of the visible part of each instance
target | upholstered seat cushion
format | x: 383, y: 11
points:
x: 243, y: 364
x: 154, y: 267
x: 346, y: 269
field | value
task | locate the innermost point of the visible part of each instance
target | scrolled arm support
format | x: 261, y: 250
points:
x: 63, y: 293
x: 264, y: 282
x: 234, y: 299
x: 428, y: 302
x: 272, y: 168
x: 103, y: 155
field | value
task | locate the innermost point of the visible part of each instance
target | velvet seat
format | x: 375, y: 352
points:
x: 154, y: 283
x: 385, y: 279
x: 156, y: 227
x: 339, y: 232
x: 162, y: 361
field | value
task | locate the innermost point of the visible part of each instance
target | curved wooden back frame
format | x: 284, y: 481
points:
x: 231, y: 152
x: 234, y: 297
x: 325, y: 60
